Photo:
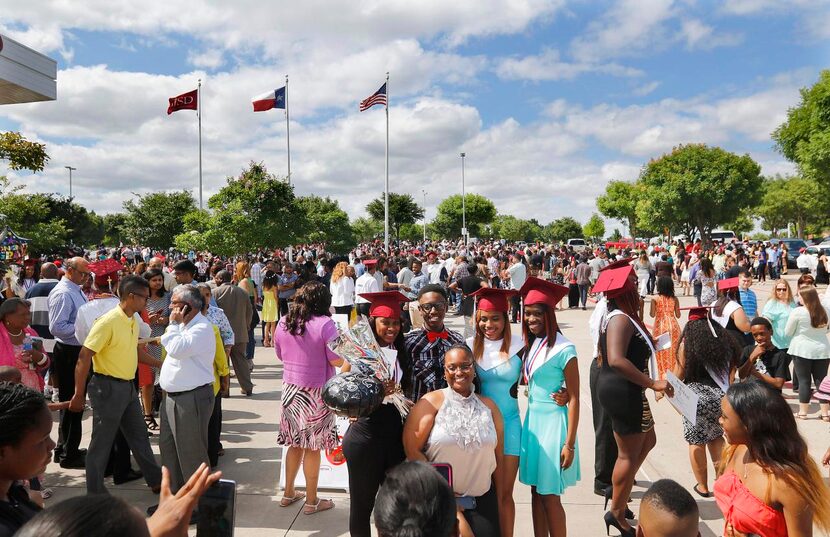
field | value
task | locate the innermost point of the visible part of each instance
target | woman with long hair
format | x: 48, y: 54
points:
x: 342, y: 289
x: 730, y: 314
x: 498, y: 366
x: 769, y: 485
x: 777, y: 310
x: 549, y: 458
x: 373, y: 444
x: 573, y: 288
x: 158, y: 315
x: 665, y: 309
x: 306, y: 424
x: 707, y: 277
x: 242, y: 277
x: 807, y: 326
x: 643, y: 268
x: 706, y: 361
x: 625, y: 350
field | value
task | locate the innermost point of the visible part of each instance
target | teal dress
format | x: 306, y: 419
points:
x: 546, y: 423
x: 497, y: 376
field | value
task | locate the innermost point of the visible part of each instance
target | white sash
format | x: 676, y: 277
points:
x: 652, y: 362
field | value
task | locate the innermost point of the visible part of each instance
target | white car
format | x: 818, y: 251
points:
x: 578, y: 244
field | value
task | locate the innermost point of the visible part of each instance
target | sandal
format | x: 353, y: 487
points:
x: 321, y: 505
x: 801, y: 416
x: 152, y: 425
x: 700, y: 493
x: 286, y: 501
x: 825, y: 417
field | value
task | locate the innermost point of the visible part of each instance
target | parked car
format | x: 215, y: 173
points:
x: 578, y: 244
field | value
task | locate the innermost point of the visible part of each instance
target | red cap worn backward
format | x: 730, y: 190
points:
x: 490, y: 299
x: 615, y: 282
x: 537, y: 291
x: 385, y: 304
x: 728, y: 284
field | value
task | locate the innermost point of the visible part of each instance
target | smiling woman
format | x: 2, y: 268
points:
x: 25, y: 451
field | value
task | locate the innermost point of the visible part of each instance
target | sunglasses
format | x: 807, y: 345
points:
x: 780, y: 288
x: 438, y: 306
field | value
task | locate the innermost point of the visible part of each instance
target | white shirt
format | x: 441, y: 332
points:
x: 190, y: 351
x: 89, y: 313
x: 518, y: 275
x: 365, y: 284
x: 434, y: 271
x: 342, y: 291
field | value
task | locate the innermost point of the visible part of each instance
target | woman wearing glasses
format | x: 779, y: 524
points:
x: 807, y: 326
x: 453, y: 425
x: 777, y: 310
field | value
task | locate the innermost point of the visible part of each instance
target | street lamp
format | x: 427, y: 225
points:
x: 70, y: 168
x: 463, y: 203
x: 425, y: 214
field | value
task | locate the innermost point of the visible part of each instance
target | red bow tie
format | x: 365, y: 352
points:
x: 432, y: 336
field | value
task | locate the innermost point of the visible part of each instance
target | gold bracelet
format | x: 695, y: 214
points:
x: 570, y: 448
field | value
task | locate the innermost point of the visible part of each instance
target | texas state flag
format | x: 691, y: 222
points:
x: 272, y: 99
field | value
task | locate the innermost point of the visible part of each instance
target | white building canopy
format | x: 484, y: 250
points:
x: 25, y: 75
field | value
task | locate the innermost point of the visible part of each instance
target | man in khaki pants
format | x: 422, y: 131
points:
x: 237, y: 306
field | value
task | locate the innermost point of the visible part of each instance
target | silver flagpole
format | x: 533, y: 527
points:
x: 287, y: 131
x: 386, y: 195
x: 199, y: 115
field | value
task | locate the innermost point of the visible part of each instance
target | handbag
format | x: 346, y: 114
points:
x: 353, y: 394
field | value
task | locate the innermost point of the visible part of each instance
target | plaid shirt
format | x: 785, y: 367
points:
x: 427, y: 372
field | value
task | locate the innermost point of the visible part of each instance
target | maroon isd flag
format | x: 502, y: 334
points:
x: 185, y: 101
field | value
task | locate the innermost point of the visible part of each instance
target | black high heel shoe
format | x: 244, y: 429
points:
x: 611, y: 520
x: 629, y: 514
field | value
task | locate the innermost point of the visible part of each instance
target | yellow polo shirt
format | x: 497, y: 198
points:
x: 114, y: 340
x: 220, y: 361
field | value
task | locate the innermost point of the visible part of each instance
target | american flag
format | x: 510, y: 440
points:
x: 378, y: 97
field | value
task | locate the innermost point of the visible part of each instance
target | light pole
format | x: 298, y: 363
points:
x: 71, y: 169
x: 425, y: 214
x: 463, y: 203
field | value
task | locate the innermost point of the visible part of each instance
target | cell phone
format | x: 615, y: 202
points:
x: 217, y: 510
x: 445, y: 469
x: 468, y: 503
x: 185, y: 309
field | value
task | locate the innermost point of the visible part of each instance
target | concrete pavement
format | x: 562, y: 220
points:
x: 253, y: 459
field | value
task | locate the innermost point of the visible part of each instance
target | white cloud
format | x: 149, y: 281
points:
x: 698, y: 35
x: 549, y: 66
x: 646, y: 89
x: 209, y: 59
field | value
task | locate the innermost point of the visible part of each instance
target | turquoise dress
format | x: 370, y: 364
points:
x: 497, y: 376
x: 546, y: 423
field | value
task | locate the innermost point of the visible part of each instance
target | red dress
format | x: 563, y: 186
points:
x: 746, y: 512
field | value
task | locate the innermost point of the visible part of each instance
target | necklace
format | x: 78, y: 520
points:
x: 14, y: 335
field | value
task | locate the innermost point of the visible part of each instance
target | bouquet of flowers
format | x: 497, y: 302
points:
x: 358, y: 346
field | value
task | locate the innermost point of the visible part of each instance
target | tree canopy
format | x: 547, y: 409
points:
x: 792, y: 199
x: 30, y: 217
x: 594, y: 228
x: 402, y: 210
x: 562, y: 229
x: 804, y: 138
x: 327, y: 222
x: 22, y: 154
x: 696, y: 187
x: 480, y: 212
x: 155, y: 219
x: 506, y: 226
x: 620, y: 202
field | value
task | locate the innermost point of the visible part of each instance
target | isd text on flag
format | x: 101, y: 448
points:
x: 378, y: 97
x: 185, y: 101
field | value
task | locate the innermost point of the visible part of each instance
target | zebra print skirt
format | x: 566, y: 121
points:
x: 306, y: 422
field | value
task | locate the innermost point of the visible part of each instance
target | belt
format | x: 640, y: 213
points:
x: 108, y: 377
x: 174, y: 394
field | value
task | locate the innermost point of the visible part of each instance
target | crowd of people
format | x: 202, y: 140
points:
x: 150, y: 340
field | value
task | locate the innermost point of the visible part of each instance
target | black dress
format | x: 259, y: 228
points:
x: 625, y: 401
x: 822, y: 277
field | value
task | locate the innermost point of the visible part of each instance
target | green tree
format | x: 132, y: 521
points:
x: 328, y: 223
x: 480, y: 212
x: 113, y: 224
x: 402, y: 210
x: 620, y: 202
x: 367, y: 229
x: 30, y: 217
x: 616, y: 236
x: 594, y: 228
x: 255, y: 210
x: 792, y: 199
x: 155, y: 219
x: 508, y: 227
x: 696, y: 187
x: 562, y: 229
x: 804, y: 138
x: 21, y: 153
x: 411, y: 232
x: 84, y: 228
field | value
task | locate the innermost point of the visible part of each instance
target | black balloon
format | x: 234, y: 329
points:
x: 353, y: 394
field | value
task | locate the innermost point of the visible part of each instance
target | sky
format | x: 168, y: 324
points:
x: 549, y: 99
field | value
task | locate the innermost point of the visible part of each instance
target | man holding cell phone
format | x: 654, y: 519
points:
x: 187, y: 379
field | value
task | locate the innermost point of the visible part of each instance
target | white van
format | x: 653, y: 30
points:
x: 721, y: 235
x: 578, y: 244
